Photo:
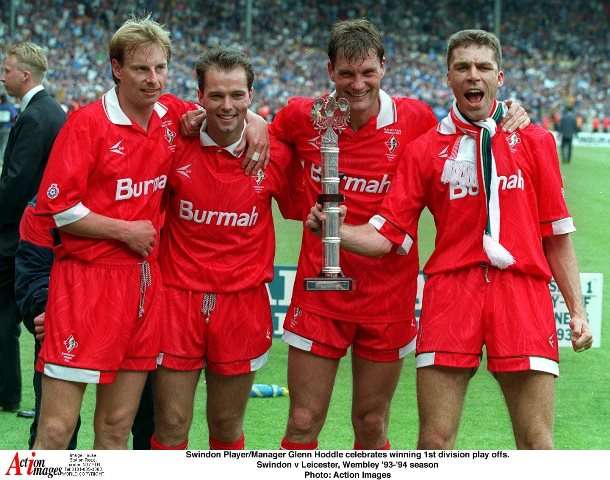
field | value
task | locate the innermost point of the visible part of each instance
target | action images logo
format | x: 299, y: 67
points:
x: 32, y: 466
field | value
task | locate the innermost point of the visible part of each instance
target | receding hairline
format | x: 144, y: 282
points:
x: 480, y: 38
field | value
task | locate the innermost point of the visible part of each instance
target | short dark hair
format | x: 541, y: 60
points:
x: 225, y: 59
x: 354, y: 39
x: 465, y: 38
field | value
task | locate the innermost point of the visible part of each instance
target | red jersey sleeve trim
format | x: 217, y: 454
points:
x: 557, y: 227
x: 563, y: 226
x: 71, y: 215
x: 402, y: 240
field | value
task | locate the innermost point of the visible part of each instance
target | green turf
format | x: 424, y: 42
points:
x: 583, y: 390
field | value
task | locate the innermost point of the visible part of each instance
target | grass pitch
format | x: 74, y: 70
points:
x: 583, y: 390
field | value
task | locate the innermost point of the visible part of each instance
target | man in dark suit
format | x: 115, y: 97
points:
x: 568, y: 129
x: 28, y: 147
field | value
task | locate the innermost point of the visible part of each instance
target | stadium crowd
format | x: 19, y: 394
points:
x: 557, y: 52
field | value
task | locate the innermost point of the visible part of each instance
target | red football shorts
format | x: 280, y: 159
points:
x: 330, y: 338
x: 101, y: 319
x: 508, y: 312
x: 228, y: 333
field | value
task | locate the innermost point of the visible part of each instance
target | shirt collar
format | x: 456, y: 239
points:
x: 207, y: 141
x: 25, y: 101
x: 115, y: 113
x: 387, y: 109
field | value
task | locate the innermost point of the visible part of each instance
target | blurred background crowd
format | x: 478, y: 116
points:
x: 556, y: 53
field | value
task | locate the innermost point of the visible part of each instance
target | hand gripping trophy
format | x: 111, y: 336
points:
x: 330, y: 117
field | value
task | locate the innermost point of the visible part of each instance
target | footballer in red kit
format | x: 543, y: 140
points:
x: 502, y: 230
x: 104, y: 186
x: 217, y: 252
x: 534, y: 207
x: 367, y: 162
x: 376, y: 318
x: 117, y: 178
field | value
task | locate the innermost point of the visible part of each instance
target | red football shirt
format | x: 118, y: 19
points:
x: 530, y: 196
x: 219, y: 234
x: 102, y: 162
x: 384, y: 288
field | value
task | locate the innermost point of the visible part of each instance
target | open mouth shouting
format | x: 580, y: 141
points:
x: 474, y: 96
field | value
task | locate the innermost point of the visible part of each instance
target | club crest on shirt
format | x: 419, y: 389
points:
x: 513, y: 141
x: 53, y: 191
x: 170, y: 135
x: 257, y: 180
x: 392, y: 144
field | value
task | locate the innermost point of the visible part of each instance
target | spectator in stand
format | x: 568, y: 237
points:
x: 566, y: 54
x: 595, y: 124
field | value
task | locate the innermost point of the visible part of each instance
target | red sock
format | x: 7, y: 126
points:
x: 238, y: 444
x: 290, y: 445
x: 358, y: 446
x: 157, y: 445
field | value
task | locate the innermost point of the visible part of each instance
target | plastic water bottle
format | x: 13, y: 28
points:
x: 264, y: 390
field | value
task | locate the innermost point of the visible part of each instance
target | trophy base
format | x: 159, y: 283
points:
x: 325, y: 284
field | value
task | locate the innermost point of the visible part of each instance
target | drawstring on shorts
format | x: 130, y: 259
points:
x: 208, y: 304
x: 145, y: 283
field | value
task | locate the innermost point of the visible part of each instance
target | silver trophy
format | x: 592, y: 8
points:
x: 330, y: 116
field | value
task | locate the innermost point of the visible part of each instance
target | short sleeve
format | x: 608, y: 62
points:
x: 399, y: 214
x: 553, y: 212
x: 64, y: 183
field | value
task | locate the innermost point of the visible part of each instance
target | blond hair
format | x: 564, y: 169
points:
x: 30, y: 57
x: 135, y: 32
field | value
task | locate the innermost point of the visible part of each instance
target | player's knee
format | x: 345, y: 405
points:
x: 369, y: 425
x: 535, y: 439
x: 435, y: 439
x: 226, y: 427
x: 53, y: 434
x: 112, y: 430
x: 303, y: 420
x: 173, y: 423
